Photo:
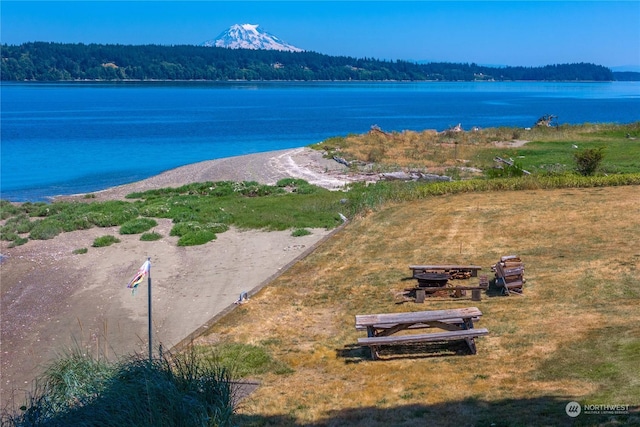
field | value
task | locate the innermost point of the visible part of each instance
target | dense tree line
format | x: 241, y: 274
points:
x: 41, y: 61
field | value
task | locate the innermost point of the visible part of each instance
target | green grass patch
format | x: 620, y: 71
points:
x: 299, y: 232
x: 8, y: 209
x: 103, y: 241
x: 18, y: 241
x: 150, y: 237
x: 45, y: 230
x: 622, y: 155
x: 21, y: 223
x: 245, y: 360
x: 80, y: 251
x: 137, y: 226
x: 195, y: 238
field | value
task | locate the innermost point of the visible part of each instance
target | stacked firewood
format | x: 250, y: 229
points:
x: 509, y: 273
x: 459, y: 274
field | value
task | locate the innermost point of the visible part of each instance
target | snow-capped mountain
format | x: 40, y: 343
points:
x: 248, y: 36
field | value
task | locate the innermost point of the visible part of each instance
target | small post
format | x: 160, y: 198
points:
x: 149, y: 304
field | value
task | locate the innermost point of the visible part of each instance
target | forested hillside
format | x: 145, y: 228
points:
x: 41, y: 61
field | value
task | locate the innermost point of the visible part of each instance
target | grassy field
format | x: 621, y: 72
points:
x: 573, y: 335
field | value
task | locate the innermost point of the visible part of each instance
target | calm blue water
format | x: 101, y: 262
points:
x: 81, y: 137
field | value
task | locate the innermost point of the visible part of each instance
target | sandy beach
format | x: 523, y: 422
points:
x: 53, y: 300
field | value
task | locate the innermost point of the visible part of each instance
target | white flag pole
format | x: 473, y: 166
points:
x: 149, y: 308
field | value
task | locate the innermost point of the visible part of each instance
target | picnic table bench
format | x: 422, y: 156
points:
x: 445, y: 268
x: 390, y: 328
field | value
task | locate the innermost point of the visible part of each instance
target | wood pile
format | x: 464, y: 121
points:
x: 509, y: 273
x: 459, y: 274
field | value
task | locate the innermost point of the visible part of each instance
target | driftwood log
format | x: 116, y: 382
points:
x: 413, y: 176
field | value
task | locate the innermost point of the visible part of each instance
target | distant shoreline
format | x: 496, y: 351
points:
x: 316, y: 81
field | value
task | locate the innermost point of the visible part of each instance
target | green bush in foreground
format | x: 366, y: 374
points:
x: 172, y: 390
x: 103, y: 241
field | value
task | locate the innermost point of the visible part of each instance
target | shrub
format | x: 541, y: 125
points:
x: 137, y: 226
x: 173, y: 390
x: 80, y: 251
x: 20, y: 223
x: 7, y: 209
x: 8, y: 235
x: 33, y: 208
x: 182, y: 228
x: 507, y: 171
x: 150, y: 237
x: 103, y: 241
x: 18, y: 241
x: 298, y: 232
x: 299, y: 186
x: 253, y: 189
x: 111, y: 213
x: 46, y: 229
x: 588, y: 160
x: 194, y: 238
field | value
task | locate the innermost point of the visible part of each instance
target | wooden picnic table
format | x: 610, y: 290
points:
x: 391, y: 328
x: 445, y: 268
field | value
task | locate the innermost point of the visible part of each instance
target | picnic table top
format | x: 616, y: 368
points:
x: 445, y: 267
x: 416, y: 316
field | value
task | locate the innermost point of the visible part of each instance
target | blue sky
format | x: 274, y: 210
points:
x: 529, y: 33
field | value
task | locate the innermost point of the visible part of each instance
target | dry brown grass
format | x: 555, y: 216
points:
x: 409, y: 149
x: 579, y: 309
x: 434, y: 151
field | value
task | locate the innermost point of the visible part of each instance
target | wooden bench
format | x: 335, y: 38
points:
x: 457, y: 324
x: 445, y: 268
x: 468, y: 335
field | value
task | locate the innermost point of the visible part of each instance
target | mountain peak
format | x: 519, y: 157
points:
x: 249, y: 36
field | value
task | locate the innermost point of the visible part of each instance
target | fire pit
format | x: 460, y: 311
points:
x: 432, y: 280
